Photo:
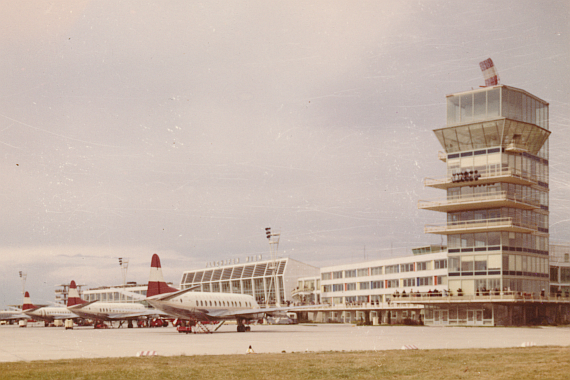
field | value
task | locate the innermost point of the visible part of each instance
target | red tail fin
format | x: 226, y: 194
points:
x: 27, y: 304
x: 156, y: 283
x: 73, y: 296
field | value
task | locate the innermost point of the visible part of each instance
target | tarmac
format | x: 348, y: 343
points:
x: 52, y: 343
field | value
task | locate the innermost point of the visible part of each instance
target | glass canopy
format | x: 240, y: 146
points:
x: 486, y: 134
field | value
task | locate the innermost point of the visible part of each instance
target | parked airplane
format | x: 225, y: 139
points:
x: 108, y: 311
x: 14, y: 315
x: 205, y: 306
x: 47, y: 314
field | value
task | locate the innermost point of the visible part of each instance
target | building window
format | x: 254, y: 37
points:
x: 392, y: 269
x: 480, y: 263
x: 337, y: 275
x: 351, y: 286
x: 338, y: 288
x: 363, y: 285
x: 327, y: 288
x: 425, y: 281
x: 363, y: 272
x: 350, y: 273
x: 326, y: 276
x: 408, y: 282
x: 377, y: 284
x: 454, y: 264
x: 407, y: 267
x: 440, y: 264
x: 375, y: 271
x: 425, y: 265
x: 392, y: 283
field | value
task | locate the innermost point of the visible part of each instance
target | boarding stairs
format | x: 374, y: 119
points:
x: 203, y: 329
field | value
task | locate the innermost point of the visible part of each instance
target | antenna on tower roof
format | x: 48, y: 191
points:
x: 489, y: 72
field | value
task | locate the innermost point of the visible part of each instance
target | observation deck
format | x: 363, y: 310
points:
x: 479, y: 201
x: 505, y: 175
x: 481, y: 225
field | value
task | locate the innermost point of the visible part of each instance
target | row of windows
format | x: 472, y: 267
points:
x: 111, y: 296
x: 514, y: 263
x: 518, y: 216
x: 512, y: 191
x: 406, y: 283
x: 217, y: 303
x: 486, y: 104
x: 485, y: 240
x: 494, y: 163
x: 389, y: 269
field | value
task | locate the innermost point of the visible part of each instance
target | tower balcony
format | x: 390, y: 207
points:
x: 481, y: 225
x: 479, y: 201
x: 503, y: 175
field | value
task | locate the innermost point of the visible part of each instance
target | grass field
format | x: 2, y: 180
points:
x: 513, y: 363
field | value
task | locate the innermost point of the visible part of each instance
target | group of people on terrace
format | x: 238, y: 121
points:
x: 429, y: 293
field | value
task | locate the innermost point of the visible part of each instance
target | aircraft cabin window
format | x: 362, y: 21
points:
x: 215, y: 303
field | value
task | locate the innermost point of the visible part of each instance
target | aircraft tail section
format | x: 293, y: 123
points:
x: 156, y: 283
x: 73, y: 296
x: 27, y: 304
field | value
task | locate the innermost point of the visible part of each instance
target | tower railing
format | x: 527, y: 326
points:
x: 482, y: 224
x: 491, y: 173
x: 479, y: 198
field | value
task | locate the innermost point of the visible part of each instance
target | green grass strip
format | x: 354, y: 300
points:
x: 512, y: 363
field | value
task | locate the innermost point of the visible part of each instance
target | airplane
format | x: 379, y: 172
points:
x: 109, y: 311
x: 47, y: 314
x: 14, y: 315
x: 205, y: 306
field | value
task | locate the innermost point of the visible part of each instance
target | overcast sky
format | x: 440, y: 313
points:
x: 185, y: 128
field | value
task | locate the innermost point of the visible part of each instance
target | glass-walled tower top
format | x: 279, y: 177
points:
x: 495, y: 116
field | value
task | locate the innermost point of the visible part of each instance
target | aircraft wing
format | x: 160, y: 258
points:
x: 175, y: 311
x: 14, y: 317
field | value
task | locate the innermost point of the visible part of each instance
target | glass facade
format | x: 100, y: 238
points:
x: 497, y: 204
x: 254, y: 279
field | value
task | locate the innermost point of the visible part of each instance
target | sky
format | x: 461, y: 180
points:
x: 185, y: 128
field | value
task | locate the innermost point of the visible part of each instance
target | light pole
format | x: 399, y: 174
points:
x: 23, y: 276
x: 124, y: 264
x: 273, y: 239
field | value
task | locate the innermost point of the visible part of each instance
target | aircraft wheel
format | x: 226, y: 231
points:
x: 247, y: 328
x: 241, y: 328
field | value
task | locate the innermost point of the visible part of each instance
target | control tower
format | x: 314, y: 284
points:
x: 496, y: 151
